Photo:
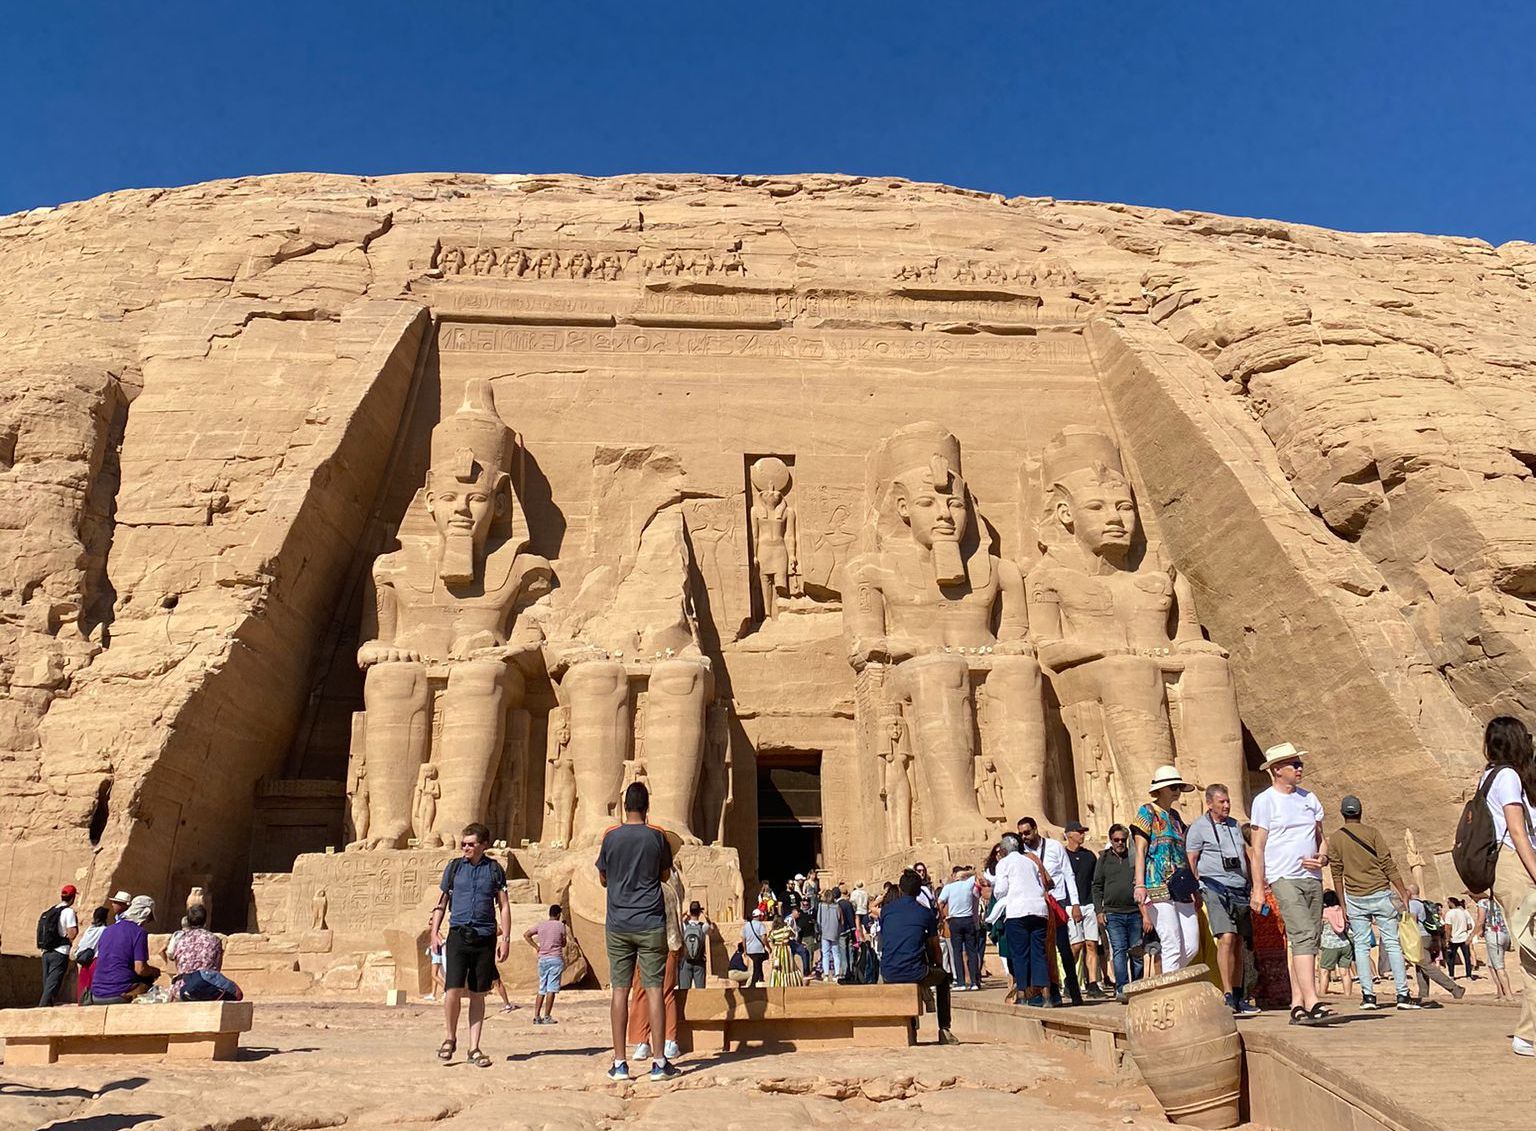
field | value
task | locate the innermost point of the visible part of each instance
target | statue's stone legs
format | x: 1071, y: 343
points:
x: 674, y: 741
x: 1211, y: 730
x: 937, y: 688
x: 597, y: 692
x: 475, y: 705
x: 1015, y: 736
x: 1133, y: 697
x: 397, y: 699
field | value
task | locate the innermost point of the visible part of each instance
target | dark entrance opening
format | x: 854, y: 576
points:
x: 788, y: 814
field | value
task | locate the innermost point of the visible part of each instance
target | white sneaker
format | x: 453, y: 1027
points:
x: 642, y: 1051
x: 1523, y: 1047
x: 671, y: 1051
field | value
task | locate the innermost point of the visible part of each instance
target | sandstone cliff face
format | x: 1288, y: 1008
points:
x: 201, y: 402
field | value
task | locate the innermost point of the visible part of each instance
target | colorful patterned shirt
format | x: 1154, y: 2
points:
x: 1163, y: 830
x: 197, y: 949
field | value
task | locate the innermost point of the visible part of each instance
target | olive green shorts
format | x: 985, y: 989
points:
x: 1301, y: 910
x: 648, y: 948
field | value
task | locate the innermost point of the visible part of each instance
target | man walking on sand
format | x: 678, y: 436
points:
x: 474, y: 893
x: 632, y: 863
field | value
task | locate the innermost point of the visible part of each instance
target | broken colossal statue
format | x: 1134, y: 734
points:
x: 448, y: 604
x: 936, y: 621
x: 1117, y: 635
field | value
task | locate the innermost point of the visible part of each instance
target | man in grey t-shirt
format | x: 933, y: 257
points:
x: 632, y: 862
x: 1219, y: 858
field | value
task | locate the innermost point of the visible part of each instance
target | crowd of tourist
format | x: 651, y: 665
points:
x: 1064, y: 922
x: 112, y: 957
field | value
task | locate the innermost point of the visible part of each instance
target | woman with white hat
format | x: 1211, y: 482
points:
x: 1165, y: 887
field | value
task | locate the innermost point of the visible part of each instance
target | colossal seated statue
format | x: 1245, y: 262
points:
x: 634, y: 687
x: 934, y: 615
x: 448, y: 602
x: 1119, y: 638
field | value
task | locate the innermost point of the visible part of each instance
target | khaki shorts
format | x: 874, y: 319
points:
x: 1301, y: 910
x: 649, y: 948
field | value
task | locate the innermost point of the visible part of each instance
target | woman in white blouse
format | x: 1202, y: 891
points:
x: 1020, y: 884
x: 1511, y: 761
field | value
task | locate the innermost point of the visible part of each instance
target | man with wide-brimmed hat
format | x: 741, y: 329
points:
x: 117, y: 903
x: 1165, y: 887
x: 1288, y: 859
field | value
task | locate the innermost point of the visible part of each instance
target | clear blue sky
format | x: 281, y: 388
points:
x: 1360, y: 115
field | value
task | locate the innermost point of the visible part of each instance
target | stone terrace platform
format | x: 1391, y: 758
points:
x: 1431, y: 1070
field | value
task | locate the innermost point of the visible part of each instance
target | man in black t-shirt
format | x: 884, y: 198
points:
x: 1084, y: 933
x: 633, y: 861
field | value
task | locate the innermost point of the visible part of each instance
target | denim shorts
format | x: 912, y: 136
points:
x: 550, y: 969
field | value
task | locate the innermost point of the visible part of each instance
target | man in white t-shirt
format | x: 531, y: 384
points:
x: 56, y: 956
x: 1288, y: 859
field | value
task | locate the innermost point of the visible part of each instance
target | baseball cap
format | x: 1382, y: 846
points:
x: 1075, y: 827
x: 1350, y: 806
x: 757, y: 912
x: 68, y: 889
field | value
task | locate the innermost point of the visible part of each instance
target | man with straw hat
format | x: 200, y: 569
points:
x: 1288, y: 859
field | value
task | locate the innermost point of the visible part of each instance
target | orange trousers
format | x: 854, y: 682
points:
x: 639, y: 1009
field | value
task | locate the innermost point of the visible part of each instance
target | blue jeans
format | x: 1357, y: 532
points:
x: 1363, y: 911
x: 1123, y: 930
x: 831, y: 958
x: 965, y: 943
x: 1026, y: 952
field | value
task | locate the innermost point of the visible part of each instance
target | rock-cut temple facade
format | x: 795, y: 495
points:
x: 857, y: 518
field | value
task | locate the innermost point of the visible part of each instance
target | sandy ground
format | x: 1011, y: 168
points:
x: 359, y: 1066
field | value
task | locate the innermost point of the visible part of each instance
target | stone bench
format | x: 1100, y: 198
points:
x: 187, y: 1030
x: 732, y: 1017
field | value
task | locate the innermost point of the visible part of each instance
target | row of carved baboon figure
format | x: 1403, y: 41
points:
x: 546, y: 263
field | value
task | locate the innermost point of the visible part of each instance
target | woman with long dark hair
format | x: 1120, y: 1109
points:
x: 1512, y: 764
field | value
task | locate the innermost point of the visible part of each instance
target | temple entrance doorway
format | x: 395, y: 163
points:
x: 788, y: 814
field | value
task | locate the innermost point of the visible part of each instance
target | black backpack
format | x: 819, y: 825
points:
x: 693, y: 943
x: 1476, y: 850
x: 49, y: 937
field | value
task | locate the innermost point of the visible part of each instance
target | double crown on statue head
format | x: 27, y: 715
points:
x: 474, y: 444
x: 926, y: 448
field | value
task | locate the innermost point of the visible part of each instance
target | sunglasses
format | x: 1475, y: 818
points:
x: 1117, y: 840
x: 470, y: 844
x: 1294, y: 764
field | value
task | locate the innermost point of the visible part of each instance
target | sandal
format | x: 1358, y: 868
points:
x: 1321, y: 1012
x: 477, y: 1058
x: 508, y: 1008
x: 446, y: 1050
x: 1300, y: 1016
